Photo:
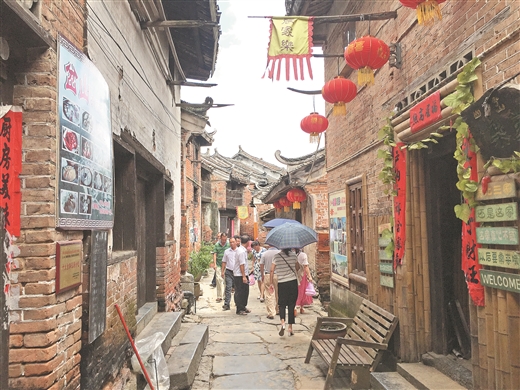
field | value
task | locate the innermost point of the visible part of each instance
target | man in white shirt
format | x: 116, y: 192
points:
x: 271, y: 298
x: 240, y: 273
x: 228, y: 264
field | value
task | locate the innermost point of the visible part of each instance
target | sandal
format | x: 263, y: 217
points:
x: 282, y: 330
x: 301, y: 310
x: 218, y: 300
x: 262, y: 300
x: 247, y: 310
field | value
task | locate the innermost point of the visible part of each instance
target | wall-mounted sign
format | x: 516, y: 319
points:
x: 497, y: 190
x: 497, y: 235
x: 500, y: 280
x: 384, y: 256
x: 338, y: 236
x: 383, y: 242
x: 499, y: 258
x: 497, y: 212
x: 68, y: 264
x: 323, y: 242
x: 386, y: 268
x: 386, y: 281
x: 426, y: 112
x: 97, y: 302
x: 85, y: 179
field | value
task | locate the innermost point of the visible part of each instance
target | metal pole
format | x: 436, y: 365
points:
x: 134, y: 347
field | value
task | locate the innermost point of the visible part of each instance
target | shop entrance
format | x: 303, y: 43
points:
x: 448, y: 293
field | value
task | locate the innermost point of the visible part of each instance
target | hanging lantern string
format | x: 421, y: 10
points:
x: 337, y: 61
x: 313, y: 103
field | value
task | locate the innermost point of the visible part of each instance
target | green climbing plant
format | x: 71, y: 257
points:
x: 387, y: 174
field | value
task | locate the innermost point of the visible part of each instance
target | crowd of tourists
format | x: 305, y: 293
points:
x: 281, y: 277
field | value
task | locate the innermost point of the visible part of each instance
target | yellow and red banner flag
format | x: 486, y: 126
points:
x: 290, y: 38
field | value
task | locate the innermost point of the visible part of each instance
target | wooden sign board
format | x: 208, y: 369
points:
x: 383, y: 242
x: 68, y: 264
x: 497, y: 212
x: 498, y: 190
x: 323, y: 242
x: 384, y: 256
x: 500, y: 280
x: 383, y: 227
x: 499, y: 258
x: 386, y: 281
x: 497, y: 235
x: 98, y: 285
x: 386, y: 268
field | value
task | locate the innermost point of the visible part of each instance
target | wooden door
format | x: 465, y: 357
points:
x: 141, y: 242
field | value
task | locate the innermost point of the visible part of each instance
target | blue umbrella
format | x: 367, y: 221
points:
x: 291, y: 235
x: 278, y: 221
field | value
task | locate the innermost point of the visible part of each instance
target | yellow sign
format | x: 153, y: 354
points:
x: 68, y: 265
x: 242, y: 212
x: 497, y: 190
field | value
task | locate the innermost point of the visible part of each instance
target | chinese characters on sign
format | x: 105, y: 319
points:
x: 497, y: 212
x: 497, y: 235
x: 399, y: 156
x: 497, y: 190
x: 10, y: 168
x: 426, y: 112
x: 470, y: 264
x: 290, y: 39
x: 338, y: 235
x: 85, y: 188
x: 499, y: 258
x: 68, y: 265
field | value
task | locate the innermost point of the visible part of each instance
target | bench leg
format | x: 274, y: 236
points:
x: 360, y: 378
x: 330, y: 376
x: 309, y: 353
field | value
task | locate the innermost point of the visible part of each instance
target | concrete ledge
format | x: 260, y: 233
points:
x: 184, y: 361
x: 426, y: 377
x: 167, y: 323
x: 145, y: 315
x: 389, y: 381
x: 459, y: 370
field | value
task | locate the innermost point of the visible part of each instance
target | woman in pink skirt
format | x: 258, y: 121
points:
x: 305, y: 278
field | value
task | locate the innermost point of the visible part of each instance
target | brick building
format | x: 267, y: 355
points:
x: 423, y: 291
x: 98, y: 86
x: 308, y: 173
x: 237, y: 181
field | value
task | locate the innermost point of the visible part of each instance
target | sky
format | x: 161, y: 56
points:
x: 266, y: 115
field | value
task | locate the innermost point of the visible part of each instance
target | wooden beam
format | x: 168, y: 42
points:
x: 178, y: 24
x: 192, y: 84
x: 346, y: 18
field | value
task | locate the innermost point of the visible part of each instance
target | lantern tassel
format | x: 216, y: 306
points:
x: 428, y: 11
x: 365, y: 76
x: 296, y: 205
x: 314, y: 138
x: 339, y: 109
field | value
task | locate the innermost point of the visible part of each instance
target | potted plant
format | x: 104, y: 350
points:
x: 199, y: 261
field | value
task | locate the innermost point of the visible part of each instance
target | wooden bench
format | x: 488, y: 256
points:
x: 362, y: 346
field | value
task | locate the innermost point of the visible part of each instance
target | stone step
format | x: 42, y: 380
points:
x: 184, y: 359
x: 145, y: 315
x: 460, y: 370
x: 426, y: 377
x: 168, y: 323
x: 389, y: 381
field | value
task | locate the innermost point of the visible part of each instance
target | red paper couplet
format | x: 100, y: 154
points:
x: 470, y: 264
x: 399, y: 156
x: 10, y: 169
x: 426, y: 112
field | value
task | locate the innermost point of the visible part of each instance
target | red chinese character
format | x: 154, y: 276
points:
x: 72, y: 76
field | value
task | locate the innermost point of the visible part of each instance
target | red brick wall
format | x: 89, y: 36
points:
x: 168, y: 278
x: 218, y: 192
x: 45, y: 331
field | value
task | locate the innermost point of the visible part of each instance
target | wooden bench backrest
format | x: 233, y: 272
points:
x: 372, y: 324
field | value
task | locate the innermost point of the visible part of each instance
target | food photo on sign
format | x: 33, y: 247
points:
x: 69, y: 202
x: 69, y: 171
x: 86, y: 148
x: 70, y: 140
x: 86, y: 177
x: 85, y: 204
x: 71, y: 111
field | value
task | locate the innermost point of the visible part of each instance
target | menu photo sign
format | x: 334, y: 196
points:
x: 85, y: 156
x: 68, y: 264
x: 338, y: 236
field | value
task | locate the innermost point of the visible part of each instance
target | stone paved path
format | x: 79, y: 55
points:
x: 246, y: 352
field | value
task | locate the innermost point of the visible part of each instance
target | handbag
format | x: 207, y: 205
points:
x: 295, y: 274
x: 251, y: 279
x: 309, y: 290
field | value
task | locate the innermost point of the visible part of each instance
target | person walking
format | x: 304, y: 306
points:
x: 271, y: 296
x: 258, y: 251
x: 218, y: 253
x: 228, y: 265
x: 305, y: 274
x: 240, y: 273
x: 286, y: 264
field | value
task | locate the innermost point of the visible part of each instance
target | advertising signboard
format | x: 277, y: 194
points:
x: 85, y: 157
x: 338, y: 236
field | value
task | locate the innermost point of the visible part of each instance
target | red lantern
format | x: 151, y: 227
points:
x: 427, y: 10
x: 314, y: 124
x: 277, y: 205
x: 339, y: 91
x: 286, y: 203
x: 296, y: 195
x: 366, y: 54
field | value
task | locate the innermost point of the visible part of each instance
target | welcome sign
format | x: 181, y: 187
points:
x: 500, y: 280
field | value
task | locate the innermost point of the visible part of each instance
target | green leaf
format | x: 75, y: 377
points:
x: 461, y: 184
x: 383, y: 153
x: 462, y: 211
x: 471, y: 187
x: 517, y: 153
x: 439, y: 135
x: 451, y: 100
x: 387, y: 234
